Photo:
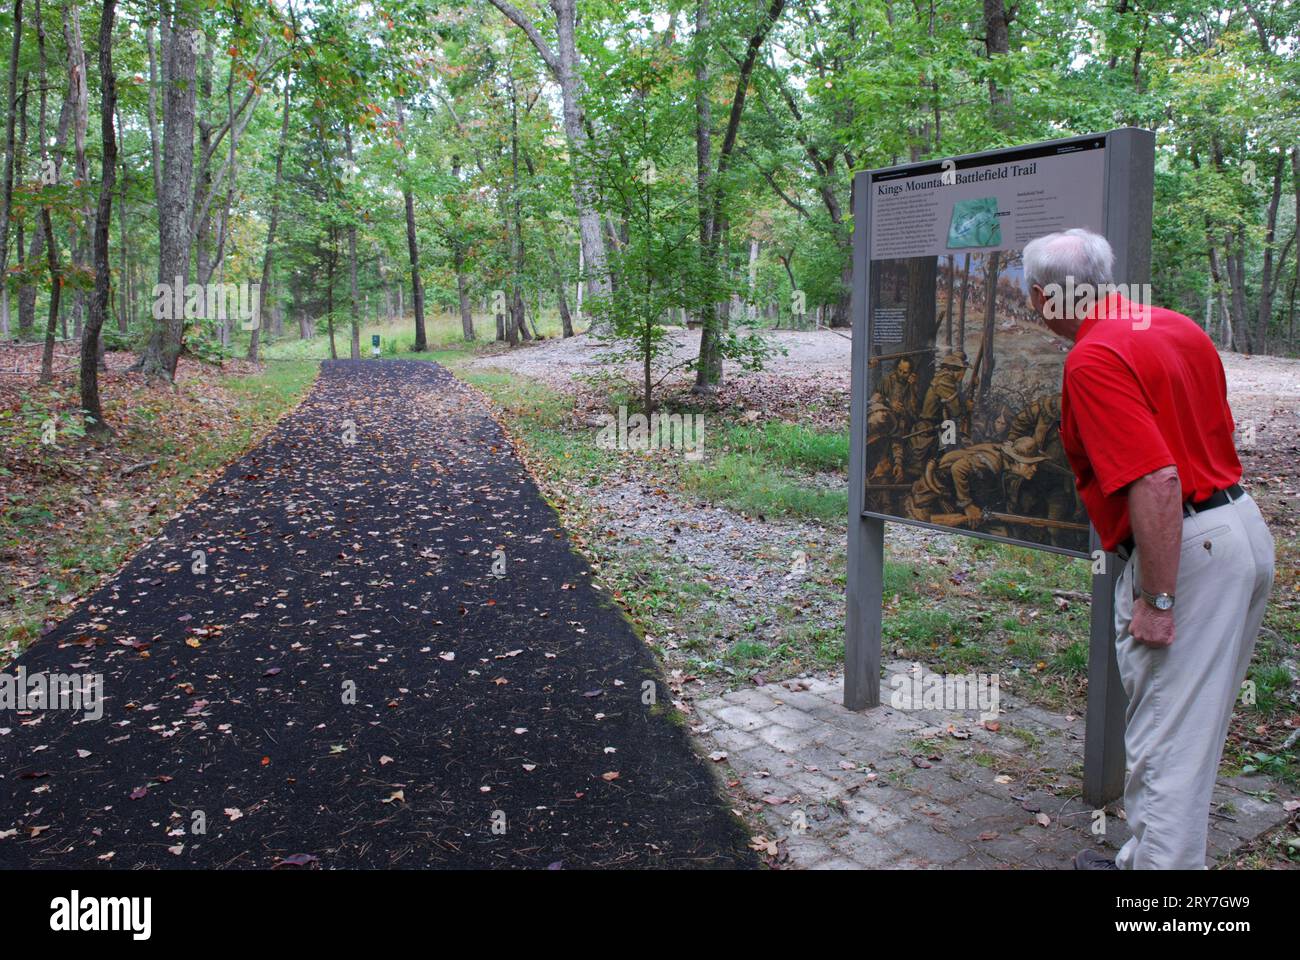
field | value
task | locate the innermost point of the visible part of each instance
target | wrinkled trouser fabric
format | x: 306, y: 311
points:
x: 1180, y: 698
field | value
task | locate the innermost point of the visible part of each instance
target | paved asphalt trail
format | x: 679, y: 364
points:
x: 333, y: 566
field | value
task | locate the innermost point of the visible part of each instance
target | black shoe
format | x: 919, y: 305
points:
x: 1092, y: 860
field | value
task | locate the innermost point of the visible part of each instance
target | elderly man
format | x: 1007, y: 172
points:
x: 1147, y: 429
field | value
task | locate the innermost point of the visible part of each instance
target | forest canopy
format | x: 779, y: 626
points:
x: 616, y: 165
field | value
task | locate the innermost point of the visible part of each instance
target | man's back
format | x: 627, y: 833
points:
x: 1143, y: 389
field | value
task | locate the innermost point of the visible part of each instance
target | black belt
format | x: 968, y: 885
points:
x: 1219, y: 498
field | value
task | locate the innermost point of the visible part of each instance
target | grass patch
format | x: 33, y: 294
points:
x: 749, y: 484
x: 792, y: 446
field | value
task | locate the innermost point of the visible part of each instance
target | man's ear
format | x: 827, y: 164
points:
x: 1037, y: 298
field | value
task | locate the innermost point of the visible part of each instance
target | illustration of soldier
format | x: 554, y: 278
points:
x: 891, y: 413
x: 1050, y: 493
x: 945, y: 402
x: 972, y: 488
x: 885, y: 456
x: 899, y: 391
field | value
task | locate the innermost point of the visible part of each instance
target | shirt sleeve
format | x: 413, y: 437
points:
x: 1114, y: 420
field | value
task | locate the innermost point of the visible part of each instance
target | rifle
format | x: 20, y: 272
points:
x: 875, y: 361
x: 1033, y: 521
x: 960, y: 519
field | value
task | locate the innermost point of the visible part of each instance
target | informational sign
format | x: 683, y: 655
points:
x: 374, y: 344
x: 956, y: 382
x: 963, y: 419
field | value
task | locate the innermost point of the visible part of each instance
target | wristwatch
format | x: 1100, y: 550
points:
x: 1161, y: 601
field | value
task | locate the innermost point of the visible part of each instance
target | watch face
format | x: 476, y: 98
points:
x: 1163, y: 601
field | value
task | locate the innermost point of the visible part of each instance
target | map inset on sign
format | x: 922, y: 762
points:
x: 974, y: 224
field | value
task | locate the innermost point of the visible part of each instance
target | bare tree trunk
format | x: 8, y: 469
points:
x: 709, y: 366
x: 352, y: 264
x: 518, y: 325
x: 268, y: 256
x: 413, y: 252
x: 11, y: 111
x: 1225, y: 319
x: 176, y: 177
x: 997, y: 43
x: 1233, y: 258
x: 103, y: 215
x: 1295, y: 279
x: 49, y: 174
x: 56, y: 289
x: 79, y: 95
x: 1266, y: 279
x: 561, y: 296
x: 564, y: 66
x: 330, y: 267
x: 124, y: 314
x: 708, y: 372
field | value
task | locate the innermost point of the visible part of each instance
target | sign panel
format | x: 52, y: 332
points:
x: 963, y: 418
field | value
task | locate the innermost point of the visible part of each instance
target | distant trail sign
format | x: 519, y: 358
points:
x: 956, y: 381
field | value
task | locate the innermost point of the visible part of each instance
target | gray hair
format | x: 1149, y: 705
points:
x: 1083, y: 256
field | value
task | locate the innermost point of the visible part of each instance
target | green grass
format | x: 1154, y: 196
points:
x: 750, y: 484
x: 792, y: 446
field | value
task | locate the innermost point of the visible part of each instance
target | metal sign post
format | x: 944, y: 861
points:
x: 979, y: 205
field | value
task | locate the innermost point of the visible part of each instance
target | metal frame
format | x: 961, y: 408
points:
x: 1129, y: 183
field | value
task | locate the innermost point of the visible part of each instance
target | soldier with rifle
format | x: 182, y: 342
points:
x: 1051, y: 492
x: 944, y: 402
x: 970, y: 487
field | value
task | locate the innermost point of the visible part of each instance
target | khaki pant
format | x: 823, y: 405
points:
x: 1180, y: 698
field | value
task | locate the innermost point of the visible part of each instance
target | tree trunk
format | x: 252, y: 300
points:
x: 330, y: 266
x: 124, y: 313
x: 103, y: 216
x: 561, y: 296
x: 268, y: 256
x: 56, y: 290
x: 709, y: 364
x: 518, y: 325
x: 1295, y: 279
x: 179, y: 69
x: 11, y: 110
x: 79, y: 97
x: 997, y: 43
x: 564, y: 66
x: 1266, y: 279
x: 413, y: 252
x: 708, y: 371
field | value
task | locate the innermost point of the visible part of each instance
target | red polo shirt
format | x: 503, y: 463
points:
x: 1143, y: 389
